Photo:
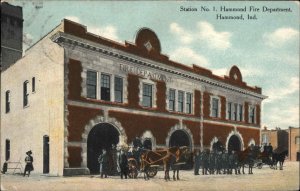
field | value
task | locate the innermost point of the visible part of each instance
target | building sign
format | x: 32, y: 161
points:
x: 144, y: 73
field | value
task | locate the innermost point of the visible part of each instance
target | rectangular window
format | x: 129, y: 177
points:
x: 188, y: 102
x: 118, y: 89
x: 25, y: 93
x: 105, y: 87
x: 240, y: 112
x: 265, y: 139
x: 172, y: 100
x: 91, y: 84
x: 215, y: 107
x: 229, y: 110
x: 33, y: 84
x: 7, y: 149
x: 235, y: 111
x: 147, y: 95
x: 7, y: 101
x: 252, y: 115
x: 297, y: 140
x: 180, y: 101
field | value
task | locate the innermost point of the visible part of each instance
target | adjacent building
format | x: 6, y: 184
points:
x: 75, y: 93
x: 284, y: 139
x: 11, y: 34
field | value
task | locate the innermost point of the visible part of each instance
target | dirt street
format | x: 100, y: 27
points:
x: 262, y: 179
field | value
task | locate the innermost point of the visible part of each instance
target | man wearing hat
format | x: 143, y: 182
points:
x: 28, y: 161
x: 104, y: 162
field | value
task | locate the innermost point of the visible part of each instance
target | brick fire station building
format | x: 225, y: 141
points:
x: 74, y: 93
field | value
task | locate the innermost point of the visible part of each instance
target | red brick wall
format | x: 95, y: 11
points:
x: 248, y: 134
x: 195, y: 129
x: 206, y: 104
x: 74, y: 158
x: 197, y: 104
x: 161, y: 96
x: 133, y: 91
x: 78, y: 117
x: 136, y: 125
x: 211, y: 130
x: 223, y: 107
x: 75, y: 79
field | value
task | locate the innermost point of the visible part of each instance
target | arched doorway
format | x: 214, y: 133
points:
x: 180, y: 138
x: 234, y: 143
x: 102, y: 136
x: 147, y: 144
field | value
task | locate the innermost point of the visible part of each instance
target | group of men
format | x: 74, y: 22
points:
x: 122, y: 163
x: 216, y: 162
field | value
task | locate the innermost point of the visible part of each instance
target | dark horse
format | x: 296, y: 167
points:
x: 246, y: 157
x: 165, y: 157
x: 279, y: 156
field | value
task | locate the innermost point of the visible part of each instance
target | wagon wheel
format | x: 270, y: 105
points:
x: 132, y: 168
x: 152, y: 172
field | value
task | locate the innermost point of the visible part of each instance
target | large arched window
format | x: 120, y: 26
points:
x: 7, y: 101
x: 25, y: 93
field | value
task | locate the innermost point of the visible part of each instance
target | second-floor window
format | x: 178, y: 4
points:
x: 7, y: 101
x: 240, y: 112
x: 25, y: 93
x: 180, y: 101
x: 188, y: 102
x: 252, y: 115
x: 235, y: 111
x: 147, y: 95
x: 229, y: 110
x: 172, y: 100
x: 215, y: 107
x: 118, y: 89
x: 91, y: 84
x: 105, y: 87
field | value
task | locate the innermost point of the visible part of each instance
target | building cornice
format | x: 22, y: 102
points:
x: 64, y: 39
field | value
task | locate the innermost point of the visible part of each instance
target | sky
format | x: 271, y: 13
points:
x: 266, y: 50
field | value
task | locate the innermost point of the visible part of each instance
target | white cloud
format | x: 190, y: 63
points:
x: 281, y: 93
x: 205, y: 33
x: 282, y: 117
x: 280, y: 36
x: 184, y: 36
x: 73, y: 18
x: 220, y: 71
x: 218, y: 40
x: 108, y: 31
x: 188, y: 56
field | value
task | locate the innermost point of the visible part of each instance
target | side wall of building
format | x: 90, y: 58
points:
x: 26, y: 126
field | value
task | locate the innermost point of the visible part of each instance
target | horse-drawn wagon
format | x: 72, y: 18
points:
x: 149, y: 162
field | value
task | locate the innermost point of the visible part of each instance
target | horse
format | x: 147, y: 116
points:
x: 179, y: 157
x: 246, y: 157
x: 165, y: 157
x: 279, y: 157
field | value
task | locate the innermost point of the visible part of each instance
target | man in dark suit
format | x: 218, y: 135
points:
x: 123, y: 163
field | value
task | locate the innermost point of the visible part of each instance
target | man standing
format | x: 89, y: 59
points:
x: 28, y: 161
x: 197, y: 163
x: 123, y: 163
x: 103, y: 160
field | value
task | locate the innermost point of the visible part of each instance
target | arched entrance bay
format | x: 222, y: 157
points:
x: 181, y: 138
x: 101, y: 136
x: 234, y: 143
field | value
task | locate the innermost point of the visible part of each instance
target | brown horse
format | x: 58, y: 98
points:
x: 165, y: 157
x: 246, y: 157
